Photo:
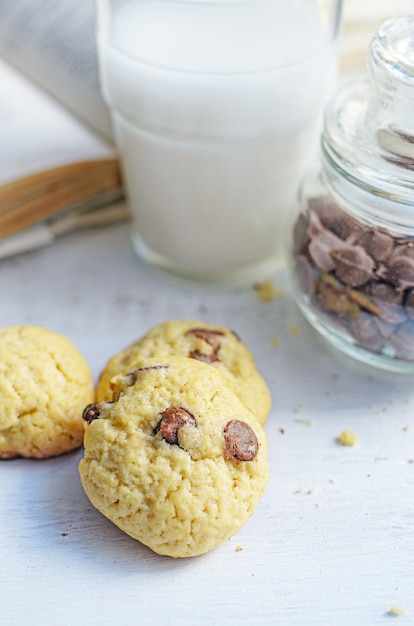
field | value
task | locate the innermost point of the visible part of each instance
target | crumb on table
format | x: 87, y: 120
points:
x: 347, y: 438
x: 396, y: 610
x: 304, y: 420
x: 267, y: 291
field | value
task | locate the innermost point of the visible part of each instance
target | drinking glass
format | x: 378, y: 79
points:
x: 216, y: 108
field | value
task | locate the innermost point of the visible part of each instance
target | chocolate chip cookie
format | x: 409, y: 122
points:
x: 216, y: 345
x: 176, y: 460
x: 44, y: 385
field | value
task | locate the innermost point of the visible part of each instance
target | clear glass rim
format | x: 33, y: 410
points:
x: 333, y: 17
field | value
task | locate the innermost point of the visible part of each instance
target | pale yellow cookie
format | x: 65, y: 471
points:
x: 216, y: 345
x: 177, y: 461
x: 45, y: 384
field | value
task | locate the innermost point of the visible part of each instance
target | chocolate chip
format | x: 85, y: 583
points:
x: 409, y: 304
x: 138, y: 371
x: 319, y: 250
x: 353, y: 266
x: 300, y: 236
x: 367, y: 333
x: 404, y: 248
x: 306, y: 274
x: 378, y: 245
x: 240, y: 442
x: 322, y: 243
x: 92, y: 412
x: 334, y: 297
x: 386, y: 328
x: 334, y: 219
x: 389, y: 302
x: 401, y: 272
x: 128, y: 380
x: 211, y: 337
x: 201, y: 356
x: 403, y: 342
x: 172, y: 419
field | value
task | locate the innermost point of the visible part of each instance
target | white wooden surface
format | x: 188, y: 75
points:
x: 332, y: 541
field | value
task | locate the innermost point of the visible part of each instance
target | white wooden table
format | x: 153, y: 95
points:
x: 331, y: 542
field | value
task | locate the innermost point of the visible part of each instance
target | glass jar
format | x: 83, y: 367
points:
x: 352, y: 250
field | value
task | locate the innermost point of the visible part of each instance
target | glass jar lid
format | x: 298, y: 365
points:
x: 368, y: 138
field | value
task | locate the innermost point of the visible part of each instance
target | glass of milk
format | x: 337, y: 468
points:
x: 216, y: 108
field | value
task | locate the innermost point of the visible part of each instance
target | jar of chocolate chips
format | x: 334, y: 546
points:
x: 352, y: 254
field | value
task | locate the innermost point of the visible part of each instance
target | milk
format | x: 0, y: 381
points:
x: 216, y: 109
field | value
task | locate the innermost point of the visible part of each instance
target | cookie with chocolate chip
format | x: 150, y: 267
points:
x: 216, y: 345
x: 44, y: 385
x: 176, y: 460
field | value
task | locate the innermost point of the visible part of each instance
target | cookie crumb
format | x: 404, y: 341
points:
x: 298, y: 408
x: 239, y: 549
x: 275, y: 342
x: 267, y: 291
x: 64, y: 534
x: 294, y: 330
x: 303, y: 420
x: 396, y: 610
x: 347, y: 438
